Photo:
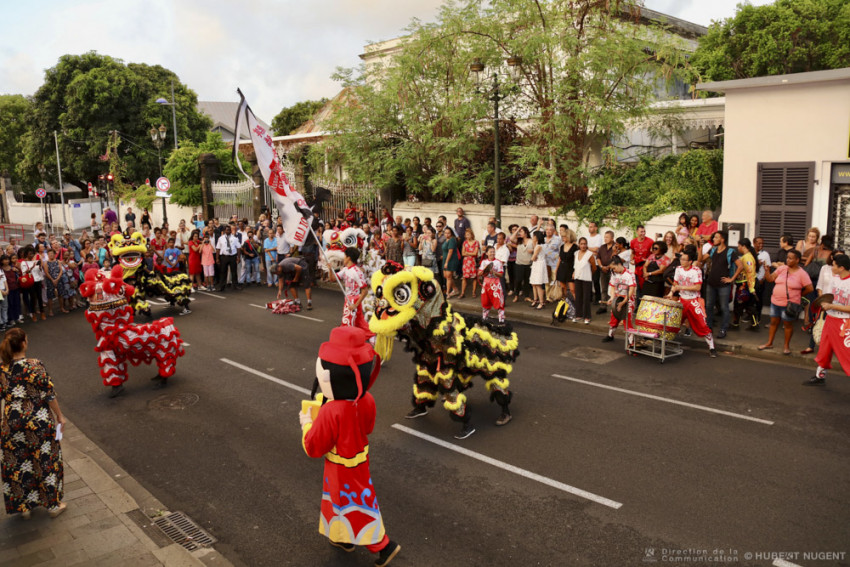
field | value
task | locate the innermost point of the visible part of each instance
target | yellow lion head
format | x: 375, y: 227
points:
x: 129, y: 251
x: 401, y: 295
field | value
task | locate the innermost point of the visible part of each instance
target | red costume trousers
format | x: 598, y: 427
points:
x: 491, y: 294
x: 627, y: 322
x: 694, y: 312
x: 835, y: 339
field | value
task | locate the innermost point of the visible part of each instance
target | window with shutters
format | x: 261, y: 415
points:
x: 784, y: 201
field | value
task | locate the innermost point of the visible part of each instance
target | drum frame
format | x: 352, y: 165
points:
x: 654, y: 345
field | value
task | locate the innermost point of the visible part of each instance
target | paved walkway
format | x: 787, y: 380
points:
x: 107, y: 523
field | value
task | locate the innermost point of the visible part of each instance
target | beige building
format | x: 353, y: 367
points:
x: 787, y: 154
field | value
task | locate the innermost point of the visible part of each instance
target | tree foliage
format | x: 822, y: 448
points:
x: 788, y: 36
x: 184, y: 171
x: 13, y: 111
x: 585, y: 71
x: 630, y: 194
x: 85, y: 97
x: 290, y: 118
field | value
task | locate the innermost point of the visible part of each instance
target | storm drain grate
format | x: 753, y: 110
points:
x: 184, y: 531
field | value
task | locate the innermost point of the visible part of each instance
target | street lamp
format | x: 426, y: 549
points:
x: 47, y: 216
x: 158, y: 137
x: 477, y: 68
x: 173, y: 106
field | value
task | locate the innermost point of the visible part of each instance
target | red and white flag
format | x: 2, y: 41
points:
x: 290, y: 204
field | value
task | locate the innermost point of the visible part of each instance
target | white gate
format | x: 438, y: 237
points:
x: 233, y: 198
x: 364, y: 197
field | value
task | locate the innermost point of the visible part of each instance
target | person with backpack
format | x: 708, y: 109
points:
x: 723, y: 271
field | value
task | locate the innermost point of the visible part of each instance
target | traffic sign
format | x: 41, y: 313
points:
x: 40, y: 193
x: 90, y: 185
x: 162, y: 187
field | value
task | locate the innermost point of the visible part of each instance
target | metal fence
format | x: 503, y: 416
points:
x: 363, y: 196
x: 233, y: 198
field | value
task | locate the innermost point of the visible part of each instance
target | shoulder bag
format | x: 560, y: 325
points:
x: 27, y: 280
x: 792, y: 310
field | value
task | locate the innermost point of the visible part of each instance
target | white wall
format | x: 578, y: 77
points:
x: 809, y: 122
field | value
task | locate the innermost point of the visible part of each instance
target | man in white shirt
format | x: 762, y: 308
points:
x: 594, y: 242
x: 763, y: 261
x: 228, y: 252
x: 283, y: 247
x: 503, y: 254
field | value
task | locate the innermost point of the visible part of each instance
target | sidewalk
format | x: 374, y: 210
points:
x: 741, y: 342
x: 109, y: 520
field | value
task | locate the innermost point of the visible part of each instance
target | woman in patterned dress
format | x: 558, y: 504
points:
x: 32, y: 468
x: 471, y: 249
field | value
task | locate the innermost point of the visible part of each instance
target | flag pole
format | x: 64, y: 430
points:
x: 322, y: 250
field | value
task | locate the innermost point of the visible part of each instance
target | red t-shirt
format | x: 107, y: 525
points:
x: 640, y: 251
x: 707, y: 229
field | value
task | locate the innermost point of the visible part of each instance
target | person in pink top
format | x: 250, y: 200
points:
x: 708, y: 226
x: 791, y: 283
x: 208, y: 262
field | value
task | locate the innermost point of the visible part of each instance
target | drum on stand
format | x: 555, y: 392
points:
x: 651, y: 316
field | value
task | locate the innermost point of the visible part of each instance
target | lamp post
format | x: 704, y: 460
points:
x: 495, y: 95
x: 47, y: 217
x: 158, y: 137
x: 173, y: 106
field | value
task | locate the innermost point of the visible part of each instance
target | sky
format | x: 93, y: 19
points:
x: 278, y: 52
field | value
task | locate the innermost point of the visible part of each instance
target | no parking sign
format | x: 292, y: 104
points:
x: 162, y: 187
x: 40, y: 193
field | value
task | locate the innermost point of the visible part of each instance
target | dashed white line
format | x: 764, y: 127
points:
x: 668, y: 400
x: 211, y: 294
x: 513, y: 469
x: 291, y: 314
x: 268, y: 377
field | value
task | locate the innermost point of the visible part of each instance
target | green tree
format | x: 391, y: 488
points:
x: 184, y: 171
x: 13, y: 111
x: 788, y: 36
x: 294, y: 116
x: 87, y: 97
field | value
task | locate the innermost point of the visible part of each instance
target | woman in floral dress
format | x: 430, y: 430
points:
x: 32, y: 468
x: 470, y: 250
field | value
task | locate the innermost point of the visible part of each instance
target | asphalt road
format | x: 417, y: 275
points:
x: 222, y: 444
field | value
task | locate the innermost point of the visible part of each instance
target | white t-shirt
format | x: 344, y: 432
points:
x: 763, y: 258
x: 595, y: 241
x: 503, y: 254
x: 825, y: 279
x: 622, y: 282
x: 581, y: 268
x: 841, y: 291
x: 691, y: 276
x: 283, y: 247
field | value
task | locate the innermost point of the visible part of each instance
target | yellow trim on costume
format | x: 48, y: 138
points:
x: 423, y: 395
x: 348, y: 463
x: 474, y: 361
x: 464, y: 378
x: 437, y: 376
x: 494, y: 342
x: 383, y: 344
x: 457, y: 404
x: 500, y: 384
x: 444, y: 324
x: 304, y: 429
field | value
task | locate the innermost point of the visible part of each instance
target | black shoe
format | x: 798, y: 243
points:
x: 386, y: 555
x: 686, y: 332
x: 601, y: 310
x: 467, y: 430
x: 712, y: 353
x: 239, y: 288
x: 186, y: 311
x: 608, y: 339
x: 815, y: 381
x: 418, y: 411
x: 504, y: 419
x: 116, y: 390
x: 160, y: 383
x: 347, y: 547
x: 721, y: 334
x: 221, y: 290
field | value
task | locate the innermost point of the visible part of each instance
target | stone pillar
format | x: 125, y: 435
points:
x: 209, y: 165
x: 257, y: 176
x: 5, y: 189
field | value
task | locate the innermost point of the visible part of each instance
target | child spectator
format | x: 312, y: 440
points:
x: 171, y: 258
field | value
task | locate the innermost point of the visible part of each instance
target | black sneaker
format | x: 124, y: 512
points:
x: 186, y: 311
x: 418, y: 411
x: 601, y: 310
x: 116, y: 391
x: 712, y: 353
x: 686, y: 332
x: 721, y: 334
x: 386, y: 555
x: 347, y: 547
x: 815, y: 381
x: 504, y: 419
x: 467, y: 430
x: 608, y: 339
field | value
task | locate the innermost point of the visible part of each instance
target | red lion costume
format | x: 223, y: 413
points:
x: 119, y: 340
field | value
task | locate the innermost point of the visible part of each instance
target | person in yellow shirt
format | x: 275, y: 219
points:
x: 745, y: 287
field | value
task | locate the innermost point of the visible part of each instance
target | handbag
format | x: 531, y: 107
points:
x: 792, y: 310
x: 26, y: 281
x: 554, y: 293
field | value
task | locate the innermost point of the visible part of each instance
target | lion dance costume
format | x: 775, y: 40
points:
x: 130, y: 254
x: 119, y: 340
x: 336, y: 426
x: 448, y: 348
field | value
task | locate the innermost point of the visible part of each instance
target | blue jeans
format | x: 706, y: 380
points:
x: 721, y: 295
x: 251, y: 271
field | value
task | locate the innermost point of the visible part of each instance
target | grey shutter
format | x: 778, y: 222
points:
x: 784, y: 198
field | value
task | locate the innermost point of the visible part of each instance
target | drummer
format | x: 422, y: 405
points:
x: 835, y: 327
x: 621, y: 289
x: 687, y: 281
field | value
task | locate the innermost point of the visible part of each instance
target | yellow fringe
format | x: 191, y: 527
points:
x: 423, y: 395
x: 495, y: 343
x: 455, y: 406
x: 474, y: 361
x: 384, y: 346
x: 499, y: 384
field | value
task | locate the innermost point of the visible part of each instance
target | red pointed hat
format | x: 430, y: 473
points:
x: 347, y: 345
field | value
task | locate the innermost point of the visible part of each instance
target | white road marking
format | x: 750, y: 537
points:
x: 511, y: 468
x: 211, y: 294
x: 783, y: 563
x: 291, y: 314
x: 266, y: 376
x: 186, y: 344
x: 668, y: 400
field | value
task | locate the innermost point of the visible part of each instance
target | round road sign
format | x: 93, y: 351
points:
x: 40, y: 193
x: 163, y: 184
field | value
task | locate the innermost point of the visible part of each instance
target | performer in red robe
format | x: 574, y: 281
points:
x: 492, y: 295
x: 337, y: 429
x: 356, y: 289
x: 835, y: 337
x: 622, y: 292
